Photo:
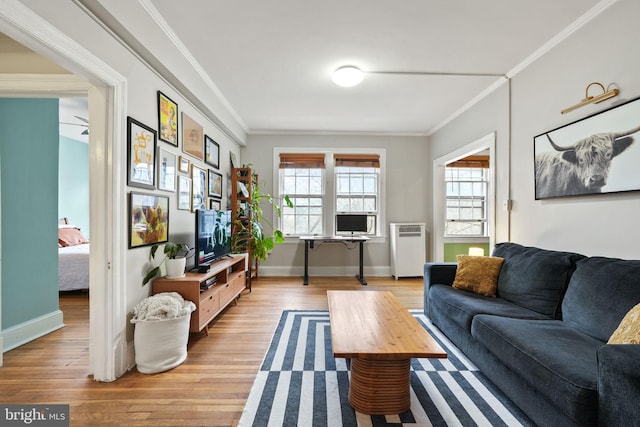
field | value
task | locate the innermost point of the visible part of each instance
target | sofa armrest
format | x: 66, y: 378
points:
x: 437, y: 273
x: 618, y: 384
x: 440, y: 273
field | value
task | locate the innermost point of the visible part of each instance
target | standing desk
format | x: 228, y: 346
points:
x: 309, y: 241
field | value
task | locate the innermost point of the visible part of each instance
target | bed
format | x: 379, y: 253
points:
x: 73, y: 258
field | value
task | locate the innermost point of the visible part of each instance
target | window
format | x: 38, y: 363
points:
x: 357, y: 178
x: 301, y: 178
x: 324, y: 184
x: 466, y: 204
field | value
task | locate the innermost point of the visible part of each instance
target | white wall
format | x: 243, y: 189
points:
x: 407, y: 183
x: 142, y: 84
x: 603, y: 50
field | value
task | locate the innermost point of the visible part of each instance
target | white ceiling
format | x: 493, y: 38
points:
x: 72, y: 111
x: 272, y: 60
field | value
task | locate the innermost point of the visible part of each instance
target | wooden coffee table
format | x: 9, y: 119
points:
x: 381, y: 337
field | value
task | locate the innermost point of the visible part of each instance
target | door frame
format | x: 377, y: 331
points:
x: 439, y: 191
x: 106, y: 90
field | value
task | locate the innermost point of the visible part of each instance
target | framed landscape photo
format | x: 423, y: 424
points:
x: 192, y: 137
x: 215, y: 184
x: 184, y: 193
x: 211, y: 152
x: 199, y: 188
x: 148, y: 219
x: 594, y: 155
x: 167, y: 119
x: 166, y: 170
x: 141, y: 154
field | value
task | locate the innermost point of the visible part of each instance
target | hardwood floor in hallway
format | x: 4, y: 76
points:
x: 209, y: 389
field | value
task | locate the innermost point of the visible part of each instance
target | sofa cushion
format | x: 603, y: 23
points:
x: 628, y: 332
x: 557, y: 360
x: 534, y: 278
x: 478, y: 274
x: 601, y: 292
x: 460, y: 306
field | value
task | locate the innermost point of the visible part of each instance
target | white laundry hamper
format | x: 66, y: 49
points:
x: 161, y: 344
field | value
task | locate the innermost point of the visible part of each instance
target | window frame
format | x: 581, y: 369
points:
x: 329, y: 184
x: 484, y: 222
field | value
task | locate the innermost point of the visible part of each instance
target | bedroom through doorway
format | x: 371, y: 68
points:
x: 74, y: 233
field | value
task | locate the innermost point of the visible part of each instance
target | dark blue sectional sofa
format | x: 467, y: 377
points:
x: 543, y: 340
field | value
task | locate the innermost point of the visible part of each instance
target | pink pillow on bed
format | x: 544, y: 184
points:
x: 71, y: 237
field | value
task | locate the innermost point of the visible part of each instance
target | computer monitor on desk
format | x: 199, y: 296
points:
x: 350, y: 223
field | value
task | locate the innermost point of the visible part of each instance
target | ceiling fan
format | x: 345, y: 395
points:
x: 85, y: 125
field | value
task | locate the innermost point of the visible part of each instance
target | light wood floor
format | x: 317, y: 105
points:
x: 209, y: 389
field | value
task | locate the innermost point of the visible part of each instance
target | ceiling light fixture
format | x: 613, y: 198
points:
x: 592, y: 99
x: 347, y: 76
x: 350, y: 75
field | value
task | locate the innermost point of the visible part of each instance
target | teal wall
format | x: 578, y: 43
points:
x: 452, y: 250
x: 29, y: 203
x: 73, y: 178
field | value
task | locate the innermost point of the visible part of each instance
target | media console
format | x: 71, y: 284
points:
x: 211, y: 292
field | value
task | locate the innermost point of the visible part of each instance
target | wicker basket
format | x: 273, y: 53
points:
x: 160, y: 345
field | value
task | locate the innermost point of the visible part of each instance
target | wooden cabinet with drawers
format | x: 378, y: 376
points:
x: 211, y: 292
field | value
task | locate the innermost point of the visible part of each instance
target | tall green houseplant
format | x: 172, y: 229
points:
x: 248, y: 216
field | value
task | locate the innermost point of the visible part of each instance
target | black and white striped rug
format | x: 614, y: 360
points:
x: 300, y: 383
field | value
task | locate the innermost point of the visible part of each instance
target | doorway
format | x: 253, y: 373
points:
x: 106, y: 90
x: 485, y: 145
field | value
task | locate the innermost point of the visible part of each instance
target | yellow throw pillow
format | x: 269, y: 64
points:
x: 628, y: 332
x: 478, y: 274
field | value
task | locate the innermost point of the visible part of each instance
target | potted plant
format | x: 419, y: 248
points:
x: 175, y: 259
x: 260, y: 243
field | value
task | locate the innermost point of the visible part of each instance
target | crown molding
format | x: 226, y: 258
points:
x: 333, y: 133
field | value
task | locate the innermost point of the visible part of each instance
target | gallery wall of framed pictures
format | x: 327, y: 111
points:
x: 175, y: 156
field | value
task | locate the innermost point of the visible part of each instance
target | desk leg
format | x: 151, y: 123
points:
x: 360, y: 276
x: 306, y: 263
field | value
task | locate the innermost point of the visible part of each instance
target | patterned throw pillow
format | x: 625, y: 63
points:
x: 628, y: 332
x: 478, y: 274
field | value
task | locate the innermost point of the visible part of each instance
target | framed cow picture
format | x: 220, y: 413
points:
x: 594, y: 155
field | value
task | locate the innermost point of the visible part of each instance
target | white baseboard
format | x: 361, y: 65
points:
x: 17, y: 335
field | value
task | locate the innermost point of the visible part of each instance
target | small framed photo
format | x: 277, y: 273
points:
x: 166, y: 170
x: 184, y: 193
x: 148, y: 219
x: 167, y: 119
x: 215, y: 184
x: 192, y: 137
x: 211, y: 152
x: 141, y: 154
x: 199, y: 186
x: 184, y: 164
x: 215, y: 204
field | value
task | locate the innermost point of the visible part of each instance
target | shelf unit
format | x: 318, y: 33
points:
x: 211, y: 292
x: 242, y: 180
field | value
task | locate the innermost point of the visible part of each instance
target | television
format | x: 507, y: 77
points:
x: 351, y: 223
x: 213, y: 236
